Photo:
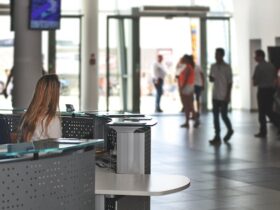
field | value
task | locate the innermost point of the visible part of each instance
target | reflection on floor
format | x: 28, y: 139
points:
x: 243, y: 174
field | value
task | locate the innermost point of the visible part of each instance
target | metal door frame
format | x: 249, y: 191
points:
x: 135, y: 60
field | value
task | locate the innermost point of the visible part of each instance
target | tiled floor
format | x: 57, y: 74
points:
x: 241, y: 175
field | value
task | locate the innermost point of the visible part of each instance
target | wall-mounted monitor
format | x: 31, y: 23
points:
x: 44, y: 14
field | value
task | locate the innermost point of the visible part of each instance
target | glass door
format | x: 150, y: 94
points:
x: 123, y: 64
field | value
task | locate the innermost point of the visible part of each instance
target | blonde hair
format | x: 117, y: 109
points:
x: 43, y: 106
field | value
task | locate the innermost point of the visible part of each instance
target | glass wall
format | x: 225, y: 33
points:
x: 71, y: 6
x: 162, y: 40
x: 112, y: 5
x: 68, y: 61
x: 215, y: 5
x: 120, y: 64
x: 172, y: 39
x: 4, y: 1
x: 67, y: 58
x: 217, y: 37
x: 6, y: 59
x: 68, y: 45
x: 102, y: 83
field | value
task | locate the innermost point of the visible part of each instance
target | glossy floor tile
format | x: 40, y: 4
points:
x: 243, y: 174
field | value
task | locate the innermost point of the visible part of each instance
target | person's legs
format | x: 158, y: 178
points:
x: 262, y: 112
x: 216, y: 113
x: 157, y: 96
x: 224, y: 112
x: 159, y: 92
x: 186, y: 111
x: 268, y: 106
x: 188, y: 106
x: 181, y: 98
x: 197, y: 93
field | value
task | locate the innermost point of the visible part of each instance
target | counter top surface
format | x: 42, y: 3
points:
x: 132, y: 122
x: 109, y: 183
x: 46, y: 146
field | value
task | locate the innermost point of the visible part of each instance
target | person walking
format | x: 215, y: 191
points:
x: 198, y: 88
x: 221, y: 77
x: 158, y: 80
x: 186, y: 83
x: 264, y: 77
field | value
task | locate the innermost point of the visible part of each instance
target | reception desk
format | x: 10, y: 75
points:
x: 48, y: 174
x: 65, y: 170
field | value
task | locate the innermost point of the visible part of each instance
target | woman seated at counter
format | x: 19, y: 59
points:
x: 41, y: 120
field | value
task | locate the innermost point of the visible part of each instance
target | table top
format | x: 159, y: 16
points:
x: 139, y: 184
x: 114, y: 114
x: 46, y: 146
x: 132, y: 122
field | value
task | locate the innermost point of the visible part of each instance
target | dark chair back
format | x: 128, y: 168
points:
x: 5, y: 136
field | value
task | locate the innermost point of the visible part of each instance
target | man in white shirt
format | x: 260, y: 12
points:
x: 221, y: 77
x: 159, y: 75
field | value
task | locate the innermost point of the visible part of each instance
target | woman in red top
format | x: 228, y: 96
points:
x: 186, y: 83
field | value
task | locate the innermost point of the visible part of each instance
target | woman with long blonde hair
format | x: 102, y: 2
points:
x: 41, y: 120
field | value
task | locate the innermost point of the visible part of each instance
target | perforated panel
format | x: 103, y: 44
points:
x: 77, y: 127
x: 64, y: 182
x: 72, y: 127
x: 100, y: 126
x: 13, y: 121
x: 126, y: 203
x: 101, y: 129
x: 147, y: 134
x: 111, y: 138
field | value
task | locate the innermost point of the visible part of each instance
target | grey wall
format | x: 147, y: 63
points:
x: 253, y: 19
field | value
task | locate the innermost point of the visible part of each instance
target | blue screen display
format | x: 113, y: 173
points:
x: 45, y: 14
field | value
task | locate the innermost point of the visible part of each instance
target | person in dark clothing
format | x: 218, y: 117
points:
x: 265, y: 76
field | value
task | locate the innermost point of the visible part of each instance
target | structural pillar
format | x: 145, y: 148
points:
x: 203, y: 58
x: 136, y: 61
x: 27, y: 67
x: 89, y: 74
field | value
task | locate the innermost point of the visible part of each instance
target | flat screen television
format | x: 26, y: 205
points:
x: 44, y: 14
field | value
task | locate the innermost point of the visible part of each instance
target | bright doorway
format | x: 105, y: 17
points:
x: 133, y: 42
